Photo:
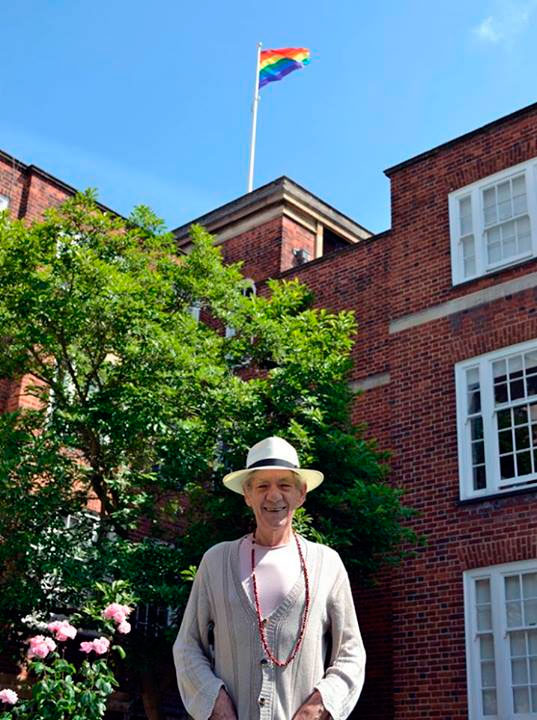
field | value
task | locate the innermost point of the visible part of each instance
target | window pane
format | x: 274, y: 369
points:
x: 505, y: 438
x: 488, y: 674
x: 530, y: 612
x: 507, y: 466
x: 474, y: 402
x: 472, y: 378
x: 489, y: 702
x: 504, y: 419
x: 486, y: 647
x: 489, y: 205
x: 499, y: 370
x: 476, y: 427
x: 514, y: 614
x: 503, y: 198
x: 494, y: 252
x: 533, y: 670
x: 529, y: 585
x: 520, y: 415
x: 519, y: 669
x: 516, y: 389
x: 500, y: 393
x: 522, y: 438
x: 523, y: 234
x: 482, y: 591
x: 518, y: 644
x: 480, y: 477
x: 530, y: 361
x: 469, y: 266
x: 523, y: 463
x: 465, y: 213
x: 515, y: 366
x: 478, y: 452
x: 521, y: 700
x: 519, y: 194
x: 512, y: 587
x: 534, y: 699
x: 531, y: 384
x: 532, y: 642
x: 484, y: 618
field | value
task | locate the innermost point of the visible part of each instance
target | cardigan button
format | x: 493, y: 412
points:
x: 264, y: 661
x: 261, y: 701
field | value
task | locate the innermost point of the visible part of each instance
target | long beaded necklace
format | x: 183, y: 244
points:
x: 260, y: 625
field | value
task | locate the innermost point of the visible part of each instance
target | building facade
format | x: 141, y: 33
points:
x: 446, y: 359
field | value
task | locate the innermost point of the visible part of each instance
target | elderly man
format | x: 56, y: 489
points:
x: 273, y: 603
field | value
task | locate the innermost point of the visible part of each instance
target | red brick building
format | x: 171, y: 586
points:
x: 447, y: 361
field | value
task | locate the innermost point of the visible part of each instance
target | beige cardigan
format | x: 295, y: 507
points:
x: 259, y: 689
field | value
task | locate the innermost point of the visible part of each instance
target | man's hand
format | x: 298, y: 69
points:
x: 312, y: 709
x: 223, y: 707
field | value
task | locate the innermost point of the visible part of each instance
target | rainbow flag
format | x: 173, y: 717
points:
x: 276, y: 64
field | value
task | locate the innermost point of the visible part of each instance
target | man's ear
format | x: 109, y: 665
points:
x: 303, y: 496
x: 246, y: 498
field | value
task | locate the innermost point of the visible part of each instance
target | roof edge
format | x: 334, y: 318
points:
x: 276, y: 189
x: 35, y: 169
x: 461, y: 138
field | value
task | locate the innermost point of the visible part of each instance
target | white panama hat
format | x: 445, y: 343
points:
x: 272, y: 453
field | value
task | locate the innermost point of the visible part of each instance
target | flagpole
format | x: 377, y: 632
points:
x: 254, y: 121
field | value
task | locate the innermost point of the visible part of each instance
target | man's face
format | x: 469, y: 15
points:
x: 274, y: 495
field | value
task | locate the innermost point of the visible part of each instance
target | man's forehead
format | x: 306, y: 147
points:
x: 273, y: 474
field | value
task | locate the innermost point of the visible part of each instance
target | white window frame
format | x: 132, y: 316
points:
x: 490, y: 431
x: 475, y: 192
x: 502, y: 659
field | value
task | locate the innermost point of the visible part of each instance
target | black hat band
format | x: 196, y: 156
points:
x: 272, y: 461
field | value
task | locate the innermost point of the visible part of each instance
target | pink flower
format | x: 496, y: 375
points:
x: 117, y: 612
x: 62, y: 630
x: 124, y: 627
x: 8, y: 696
x: 99, y: 646
x: 40, y: 646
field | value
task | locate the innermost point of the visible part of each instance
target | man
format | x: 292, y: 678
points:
x: 273, y: 602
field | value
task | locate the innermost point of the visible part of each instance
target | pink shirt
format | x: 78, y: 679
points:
x: 277, y: 570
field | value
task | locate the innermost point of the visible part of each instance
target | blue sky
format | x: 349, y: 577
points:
x: 150, y: 102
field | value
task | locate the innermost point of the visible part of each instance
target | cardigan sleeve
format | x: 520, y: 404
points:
x: 344, y: 678
x: 198, y: 685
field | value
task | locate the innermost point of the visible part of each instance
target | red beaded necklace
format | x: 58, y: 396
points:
x: 260, y: 625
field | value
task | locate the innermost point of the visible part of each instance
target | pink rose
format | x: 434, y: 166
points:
x: 99, y: 646
x: 119, y: 617
x: 62, y: 630
x: 40, y: 646
x: 124, y: 627
x: 117, y: 612
x: 8, y: 696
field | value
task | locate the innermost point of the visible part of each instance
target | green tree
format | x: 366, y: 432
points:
x: 144, y: 408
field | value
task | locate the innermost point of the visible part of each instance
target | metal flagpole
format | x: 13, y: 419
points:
x: 254, y: 122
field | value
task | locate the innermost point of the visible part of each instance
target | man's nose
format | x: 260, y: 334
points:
x: 274, y: 493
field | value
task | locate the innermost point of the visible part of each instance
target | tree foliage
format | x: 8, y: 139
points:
x: 144, y: 408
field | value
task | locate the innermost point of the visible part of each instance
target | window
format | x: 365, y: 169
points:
x: 501, y: 641
x: 497, y: 421
x: 150, y: 620
x: 195, y: 310
x: 4, y: 202
x: 248, y: 291
x: 493, y: 222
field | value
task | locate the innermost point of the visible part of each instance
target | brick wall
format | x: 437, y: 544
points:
x: 295, y: 237
x: 428, y: 610
x: 259, y: 249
